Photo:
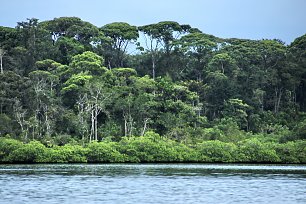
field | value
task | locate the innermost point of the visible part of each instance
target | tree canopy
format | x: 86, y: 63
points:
x: 67, y: 78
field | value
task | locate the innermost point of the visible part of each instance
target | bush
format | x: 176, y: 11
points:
x: 104, y: 152
x: 287, y: 152
x: 185, y: 153
x: 216, y: 151
x: 67, y: 153
x: 150, y: 148
x: 257, y: 152
x: 29, y: 153
x: 300, y: 147
x: 7, y: 146
x: 138, y: 149
x: 154, y: 148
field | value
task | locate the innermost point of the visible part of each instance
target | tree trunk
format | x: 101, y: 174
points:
x: 26, y: 133
x: 81, y: 115
x: 20, y: 122
x: 153, y: 67
x: 145, y: 126
x: 37, y: 119
x: 130, y: 131
x: 92, y: 126
x: 47, y: 121
x: 128, y: 124
x: 19, y: 115
x: 222, y: 67
x: 96, y: 122
x: 109, y: 64
x: 125, y: 127
x: 2, y: 53
x: 278, y: 96
x: 1, y: 57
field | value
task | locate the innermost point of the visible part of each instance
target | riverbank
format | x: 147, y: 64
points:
x: 154, y: 148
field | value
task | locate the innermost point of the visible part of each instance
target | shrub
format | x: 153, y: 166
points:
x: 67, y: 153
x: 300, y: 147
x: 255, y: 151
x: 216, y: 151
x: 138, y: 149
x: 29, y: 153
x: 7, y: 146
x: 287, y: 152
x: 104, y: 152
x: 185, y: 153
x: 150, y: 148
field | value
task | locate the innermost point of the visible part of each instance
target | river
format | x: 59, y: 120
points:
x: 152, y: 183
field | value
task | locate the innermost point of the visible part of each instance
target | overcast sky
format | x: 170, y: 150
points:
x: 251, y: 19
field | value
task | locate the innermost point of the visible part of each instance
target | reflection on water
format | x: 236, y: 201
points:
x: 152, y: 183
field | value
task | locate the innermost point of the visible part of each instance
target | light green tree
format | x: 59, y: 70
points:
x: 87, y: 62
x: 236, y: 109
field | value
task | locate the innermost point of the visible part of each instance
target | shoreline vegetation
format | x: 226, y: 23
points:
x: 165, y: 92
x: 153, y: 148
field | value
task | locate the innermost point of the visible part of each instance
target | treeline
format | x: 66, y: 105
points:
x: 66, y: 80
x: 153, y: 148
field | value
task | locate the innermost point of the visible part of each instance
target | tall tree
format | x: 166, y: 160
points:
x: 34, y: 44
x: 71, y: 27
x: 161, y: 36
x: 97, y: 97
x: 45, y: 101
x: 199, y: 48
x: 87, y: 61
x: 298, y: 50
x: 69, y: 36
x: 121, y: 35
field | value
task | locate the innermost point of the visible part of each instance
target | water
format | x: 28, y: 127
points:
x: 152, y: 183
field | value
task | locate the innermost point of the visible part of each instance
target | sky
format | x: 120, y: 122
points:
x: 247, y: 19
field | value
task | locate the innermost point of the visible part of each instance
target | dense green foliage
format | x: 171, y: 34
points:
x: 153, y: 148
x: 73, y: 92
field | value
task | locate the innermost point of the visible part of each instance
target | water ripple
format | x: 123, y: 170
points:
x: 152, y: 183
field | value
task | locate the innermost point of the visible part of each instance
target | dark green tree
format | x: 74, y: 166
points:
x: 121, y: 35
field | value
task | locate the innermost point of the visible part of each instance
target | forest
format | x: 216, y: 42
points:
x: 165, y: 92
